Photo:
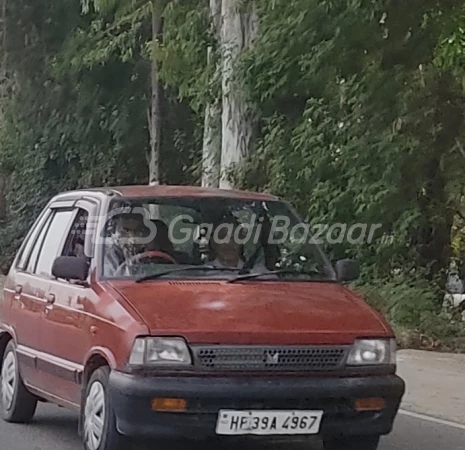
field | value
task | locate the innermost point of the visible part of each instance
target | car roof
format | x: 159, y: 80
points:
x: 170, y: 191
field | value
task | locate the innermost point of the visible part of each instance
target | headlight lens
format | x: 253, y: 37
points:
x: 160, y: 351
x: 368, y: 352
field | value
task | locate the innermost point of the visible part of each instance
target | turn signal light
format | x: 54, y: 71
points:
x: 169, y: 404
x: 370, y: 404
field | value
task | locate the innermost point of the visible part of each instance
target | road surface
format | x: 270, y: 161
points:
x: 55, y: 429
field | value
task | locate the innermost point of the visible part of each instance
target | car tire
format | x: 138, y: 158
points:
x: 352, y: 443
x: 18, y: 405
x: 98, y: 417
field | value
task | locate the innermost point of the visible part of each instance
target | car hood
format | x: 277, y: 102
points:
x: 253, y: 313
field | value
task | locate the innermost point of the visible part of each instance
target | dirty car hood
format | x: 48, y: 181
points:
x: 253, y: 313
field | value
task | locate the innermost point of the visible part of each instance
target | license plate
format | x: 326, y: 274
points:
x: 268, y: 422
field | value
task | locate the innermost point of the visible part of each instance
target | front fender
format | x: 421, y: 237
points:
x: 102, y: 352
x: 9, y: 331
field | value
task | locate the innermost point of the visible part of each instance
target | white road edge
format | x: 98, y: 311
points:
x: 426, y: 418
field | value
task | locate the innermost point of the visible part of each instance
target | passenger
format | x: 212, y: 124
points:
x: 227, y: 249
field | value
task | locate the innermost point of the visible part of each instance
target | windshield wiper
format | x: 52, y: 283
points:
x: 252, y: 276
x: 251, y: 261
x: 154, y: 276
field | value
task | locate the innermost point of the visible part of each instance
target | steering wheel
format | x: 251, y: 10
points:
x: 152, y: 254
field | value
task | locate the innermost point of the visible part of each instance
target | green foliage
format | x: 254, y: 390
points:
x: 184, y: 54
x: 409, y: 302
x: 360, y: 107
x: 450, y: 52
x: 358, y: 124
x: 76, y: 117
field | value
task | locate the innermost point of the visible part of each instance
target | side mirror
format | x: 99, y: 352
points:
x: 347, y: 270
x: 71, y: 268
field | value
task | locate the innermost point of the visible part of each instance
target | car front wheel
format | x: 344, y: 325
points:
x: 17, y: 403
x: 352, y: 443
x: 99, y: 422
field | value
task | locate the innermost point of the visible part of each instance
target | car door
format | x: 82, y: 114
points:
x: 31, y: 286
x: 65, y: 335
x: 23, y: 305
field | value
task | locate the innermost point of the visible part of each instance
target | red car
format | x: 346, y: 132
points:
x: 181, y: 311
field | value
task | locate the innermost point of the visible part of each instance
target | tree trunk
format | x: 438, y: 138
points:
x: 239, y: 29
x: 3, y: 95
x: 154, y: 114
x: 211, y: 161
x: 212, y: 145
x: 3, y: 189
x: 4, y: 40
x: 434, y: 236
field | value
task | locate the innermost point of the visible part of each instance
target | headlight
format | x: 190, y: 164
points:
x: 160, y: 351
x: 367, y: 352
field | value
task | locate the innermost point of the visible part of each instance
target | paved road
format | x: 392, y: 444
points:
x: 434, y: 383
x: 55, y: 429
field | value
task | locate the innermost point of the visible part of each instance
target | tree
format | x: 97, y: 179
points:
x: 238, y: 31
x: 202, y: 60
x: 211, y: 161
x: 155, y: 111
x: 125, y: 13
x: 359, y: 124
x: 4, y: 88
x: 351, y: 110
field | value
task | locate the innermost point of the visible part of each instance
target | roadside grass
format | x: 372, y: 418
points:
x: 412, y: 308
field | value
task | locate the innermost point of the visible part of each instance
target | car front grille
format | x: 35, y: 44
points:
x: 269, y: 358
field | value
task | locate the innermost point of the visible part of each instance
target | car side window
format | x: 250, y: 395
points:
x: 25, y: 253
x: 32, y: 260
x: 75, y: 242
x: 54, y: 241
x: 24, y: 256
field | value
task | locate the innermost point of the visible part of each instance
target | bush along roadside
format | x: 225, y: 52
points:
x: 413, y: 305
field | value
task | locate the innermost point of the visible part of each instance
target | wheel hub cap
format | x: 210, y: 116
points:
x: 94, y: 416
x: 8, y: 380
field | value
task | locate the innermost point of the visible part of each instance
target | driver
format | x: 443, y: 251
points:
x: 126, y: 240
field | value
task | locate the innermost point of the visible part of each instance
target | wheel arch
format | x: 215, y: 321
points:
x: 97, y: 357
x: 5, y: 337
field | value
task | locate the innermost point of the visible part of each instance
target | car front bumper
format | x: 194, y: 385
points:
x: 132, y: 396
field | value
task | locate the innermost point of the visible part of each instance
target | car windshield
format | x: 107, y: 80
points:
x: 211, y: 238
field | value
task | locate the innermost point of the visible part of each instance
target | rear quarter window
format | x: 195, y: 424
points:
x: 31, y: 239
x: 54, y: 241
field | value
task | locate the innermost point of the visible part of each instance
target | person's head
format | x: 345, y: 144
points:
x: 128, y: 231
x: 226, y: 241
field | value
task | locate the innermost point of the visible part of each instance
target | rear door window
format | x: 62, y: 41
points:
x: 32, y: 239
x: 32, y: 261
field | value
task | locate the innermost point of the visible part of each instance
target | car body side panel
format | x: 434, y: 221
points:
x: 83, y: 322
x: 24, y: 312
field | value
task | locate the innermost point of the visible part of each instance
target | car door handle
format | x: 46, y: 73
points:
x: 51, y: 299
x: 18, y: 292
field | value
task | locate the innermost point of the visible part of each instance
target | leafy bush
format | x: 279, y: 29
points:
x: 410, y: 304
